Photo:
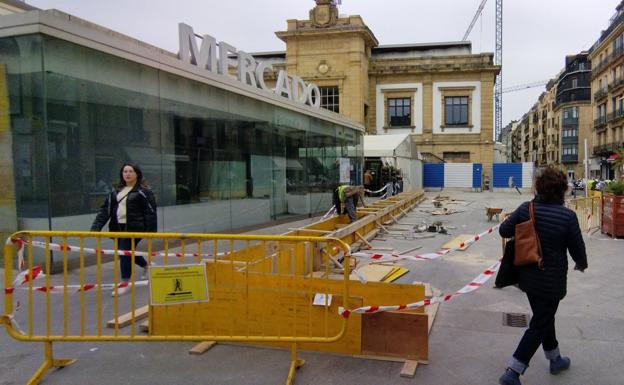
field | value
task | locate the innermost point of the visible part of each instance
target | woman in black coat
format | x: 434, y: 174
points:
x: 130, y: 207
x: 558, y: 232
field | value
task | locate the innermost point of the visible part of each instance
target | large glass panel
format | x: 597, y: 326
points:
x: 215, y: 159
x: 22, y: 60
x: 101, y: 112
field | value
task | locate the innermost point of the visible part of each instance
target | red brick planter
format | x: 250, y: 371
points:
x: 613, y: 215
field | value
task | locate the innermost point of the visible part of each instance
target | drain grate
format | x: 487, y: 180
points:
x: 515, y: 320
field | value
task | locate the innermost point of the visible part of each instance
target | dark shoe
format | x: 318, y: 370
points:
x: 559, y: 364
x: 510, y: 377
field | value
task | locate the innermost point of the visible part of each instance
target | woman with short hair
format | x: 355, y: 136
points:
x: 558, y: 231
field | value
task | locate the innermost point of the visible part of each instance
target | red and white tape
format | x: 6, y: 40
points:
x: 470, y: 287
x: 385, y: 257
x: 90, y: 251
x: 376, y: 192
x: 22, y: 280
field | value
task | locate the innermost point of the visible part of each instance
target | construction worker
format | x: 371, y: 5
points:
x: 345, y: 199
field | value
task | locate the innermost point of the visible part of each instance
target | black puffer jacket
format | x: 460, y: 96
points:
x: 140, y: 212
x: 558, y: 230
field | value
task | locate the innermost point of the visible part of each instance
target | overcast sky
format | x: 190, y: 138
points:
x: 537, y: 34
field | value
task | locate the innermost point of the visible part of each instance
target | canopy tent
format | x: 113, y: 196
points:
x: 398, y: 150
x: 399, y: 145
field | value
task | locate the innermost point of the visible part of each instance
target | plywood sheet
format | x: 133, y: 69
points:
x: 455, y: 242
x: 375, y: 273
x: 396, y: 334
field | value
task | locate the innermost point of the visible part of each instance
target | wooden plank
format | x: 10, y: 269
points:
x: 309, y: 230
x: 126, y: 319
x: 409, y: 369
x: 382, y: 226
x: 363, y: 239
x: 455, y: 242
x: 144, y: 326
x: 410, y: 249
x: 202, y: 347
x: 395, y: 274
x: 375, y: 273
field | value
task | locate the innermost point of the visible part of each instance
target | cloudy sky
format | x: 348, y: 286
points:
x: 537, y: 34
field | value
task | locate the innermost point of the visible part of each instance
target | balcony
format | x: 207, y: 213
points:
x: 616, y: 84
x: 570, y: 158
x: 607, y: 149
x: 601, y: 93
x: 615, y: 115
x: 607, y: 60
x: 569, y: 140
x: 600, y: 123
x: 573, y: 95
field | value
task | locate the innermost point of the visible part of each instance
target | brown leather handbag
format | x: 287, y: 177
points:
x: 528, y: 249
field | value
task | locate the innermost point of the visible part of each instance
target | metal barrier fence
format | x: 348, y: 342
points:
x: 201, y: 287
x: 588, y: 211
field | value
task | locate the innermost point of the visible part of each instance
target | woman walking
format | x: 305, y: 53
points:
x: 558, y: 231
x: 130, y: 207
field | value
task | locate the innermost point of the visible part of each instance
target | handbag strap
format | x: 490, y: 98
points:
x: 539, y: 244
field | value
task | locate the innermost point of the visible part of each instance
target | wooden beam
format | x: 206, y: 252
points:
x: 409, y: 369
x: 126, y: 319
x: 363, y: 239
x: 202, y: 347
x: 410, y: 249
x: 309, y: 230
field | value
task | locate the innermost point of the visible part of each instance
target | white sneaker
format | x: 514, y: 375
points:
x: 145, y: 274
x: 121, y: 290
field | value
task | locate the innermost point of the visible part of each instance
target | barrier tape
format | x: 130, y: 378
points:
x: 128, y: 253
x: 470, y: 287
x: 329, y: 212
x: 376, y: 192
x: 86, y: 287
x: 30, y: 275
x: 385, y: 257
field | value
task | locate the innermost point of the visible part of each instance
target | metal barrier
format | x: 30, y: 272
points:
x: 260, y: 289
x: 588, y: 211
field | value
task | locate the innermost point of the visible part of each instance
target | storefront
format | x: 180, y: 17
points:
x: 219, y: 154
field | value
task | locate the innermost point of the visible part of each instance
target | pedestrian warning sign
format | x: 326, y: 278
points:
x: 178, y: 284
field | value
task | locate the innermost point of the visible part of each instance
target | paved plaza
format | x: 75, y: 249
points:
x: 469, y: 345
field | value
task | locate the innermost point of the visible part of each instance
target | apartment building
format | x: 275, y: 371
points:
x: 607, y: 86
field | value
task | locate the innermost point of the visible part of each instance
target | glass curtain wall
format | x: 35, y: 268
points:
x: 215, y: 159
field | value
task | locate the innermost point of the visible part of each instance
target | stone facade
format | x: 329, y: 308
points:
x: 342, y: 52
x: 555, y: 128
x: 607, y: 86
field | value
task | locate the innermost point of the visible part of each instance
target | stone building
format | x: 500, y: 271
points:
x: 554, y: 130
x: 574, y: 113
x: 439, y: 93
x: 607, y: 85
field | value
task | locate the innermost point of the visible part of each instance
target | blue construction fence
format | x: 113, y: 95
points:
x: 469, y: 175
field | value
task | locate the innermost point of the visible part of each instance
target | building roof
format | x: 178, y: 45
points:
x: 421, y: 46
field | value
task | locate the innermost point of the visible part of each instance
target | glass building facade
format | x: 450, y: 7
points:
x: 216, y: 159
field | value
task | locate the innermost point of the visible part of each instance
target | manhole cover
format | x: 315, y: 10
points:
x: 515, y: 320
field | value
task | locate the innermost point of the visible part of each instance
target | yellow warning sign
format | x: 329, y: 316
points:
x: 178, y: 284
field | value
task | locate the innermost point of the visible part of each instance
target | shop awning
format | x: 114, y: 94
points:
x: 613, y: 157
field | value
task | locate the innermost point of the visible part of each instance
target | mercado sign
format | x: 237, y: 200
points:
x: 214, y: 58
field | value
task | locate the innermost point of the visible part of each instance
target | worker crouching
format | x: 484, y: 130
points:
x: 346, y: 199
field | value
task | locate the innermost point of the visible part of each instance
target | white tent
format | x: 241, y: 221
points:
x: 399, y: 151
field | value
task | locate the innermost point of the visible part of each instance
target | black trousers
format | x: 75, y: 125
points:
x: 541, y: 329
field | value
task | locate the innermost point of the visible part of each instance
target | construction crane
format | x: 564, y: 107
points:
x: 520, y: 87
x: 474, y: 19
x: 498, y: 60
